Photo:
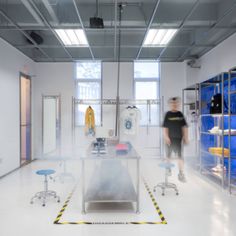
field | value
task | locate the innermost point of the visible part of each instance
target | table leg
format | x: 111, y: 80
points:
x: 83, y: 187
x: 138, y: 192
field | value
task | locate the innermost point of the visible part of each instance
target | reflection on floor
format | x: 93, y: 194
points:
x: 202, y: 208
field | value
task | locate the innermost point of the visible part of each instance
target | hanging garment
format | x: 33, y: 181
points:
x: 89, y: 122
x: 130, y: 119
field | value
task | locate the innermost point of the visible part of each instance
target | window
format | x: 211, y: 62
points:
x: 88, y: 86
x: 146, y: 86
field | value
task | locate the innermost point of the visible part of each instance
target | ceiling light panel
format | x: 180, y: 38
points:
x: 72, y: 37
x: 159, y: 37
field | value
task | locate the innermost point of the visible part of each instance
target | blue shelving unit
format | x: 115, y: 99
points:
x: 232, y: 127
x: 215, y: 129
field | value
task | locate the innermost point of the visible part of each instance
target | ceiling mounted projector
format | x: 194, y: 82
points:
x: 96, y: 22
x: 36, y: 37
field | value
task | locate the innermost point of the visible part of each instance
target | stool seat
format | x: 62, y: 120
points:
x: 166, y: 165
x: 45, y: 172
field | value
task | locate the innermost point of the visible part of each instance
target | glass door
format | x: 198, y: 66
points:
x: 25, y: 119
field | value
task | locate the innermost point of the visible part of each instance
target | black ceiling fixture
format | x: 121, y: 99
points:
x: 96, y: 22
x: 36, y: 37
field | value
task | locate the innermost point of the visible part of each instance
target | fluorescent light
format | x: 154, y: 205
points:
x: 63, y: 36
x: 81, y: 36
x: 159, y: 37
x: 72, y: 37
x: 160, y: 34
x: 150, y: 36
x: 169, y: 35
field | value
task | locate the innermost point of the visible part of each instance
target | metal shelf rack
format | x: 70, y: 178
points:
x: 193, y: 105
x: 231, y: 117
x: 213, y: 165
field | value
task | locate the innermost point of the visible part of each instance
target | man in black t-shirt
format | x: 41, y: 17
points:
x: 175, y: 132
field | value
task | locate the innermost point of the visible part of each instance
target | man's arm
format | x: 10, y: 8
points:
x: 185, y: 134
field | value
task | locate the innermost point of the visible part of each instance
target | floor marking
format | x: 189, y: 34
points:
x: 163, y: 220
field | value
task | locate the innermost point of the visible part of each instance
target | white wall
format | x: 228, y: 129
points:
x: 12, y: 62
x: 53, y: 79
x: 219, y: 59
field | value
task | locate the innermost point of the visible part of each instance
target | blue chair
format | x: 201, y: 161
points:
x: 166, y: 184
x: 43, y: 195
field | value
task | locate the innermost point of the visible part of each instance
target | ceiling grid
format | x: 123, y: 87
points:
x: 30, y: 26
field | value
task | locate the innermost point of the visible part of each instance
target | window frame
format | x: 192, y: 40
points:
x: 78, y: 80
x: 148, y: 79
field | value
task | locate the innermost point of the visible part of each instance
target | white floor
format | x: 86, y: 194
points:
x: 201, y: 209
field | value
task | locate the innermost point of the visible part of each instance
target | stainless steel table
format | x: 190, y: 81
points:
x: 110, y: 181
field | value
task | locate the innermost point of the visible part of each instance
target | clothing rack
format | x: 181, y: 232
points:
x: 114, y: 101
x: 121, y: 102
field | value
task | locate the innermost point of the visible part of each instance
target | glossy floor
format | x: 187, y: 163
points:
x: 201, y: 209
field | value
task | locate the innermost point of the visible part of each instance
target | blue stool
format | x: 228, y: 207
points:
x: 166, y: 185
x: 43, y: 195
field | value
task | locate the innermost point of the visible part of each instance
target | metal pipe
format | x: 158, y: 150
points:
x: 42, y: 139
x: 107, y: 28
x: 49, y: 26
x: 96, y: 14
x: 148, y: 27
x: 229, y: 128
x: 59, y: 125
x: 147, y: 110
x: 73, y: 123
x: 200, y: 129
x: 82, y: 25
x: 107, y: 46
x: 138, y: 186
x: 117, y: 130
x: 196, y: 119
x: 24, y: 33
x: 162, y: 117
x: 205, y: 34
x: 222, y: 128
x: 115, y: 31
x: 180, y: 27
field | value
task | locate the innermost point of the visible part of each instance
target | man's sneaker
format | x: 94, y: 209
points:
x: 168, y: 170
x: 181, y: 177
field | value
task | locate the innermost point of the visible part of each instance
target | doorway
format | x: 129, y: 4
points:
x: 51, y: 136
x: 25, y: 119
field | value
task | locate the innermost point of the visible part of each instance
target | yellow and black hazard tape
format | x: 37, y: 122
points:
x: 163, y: 220
x: 64, y: 207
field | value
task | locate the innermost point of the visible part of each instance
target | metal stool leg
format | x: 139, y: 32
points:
x: 43, y: 195
x: 166, y: 185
